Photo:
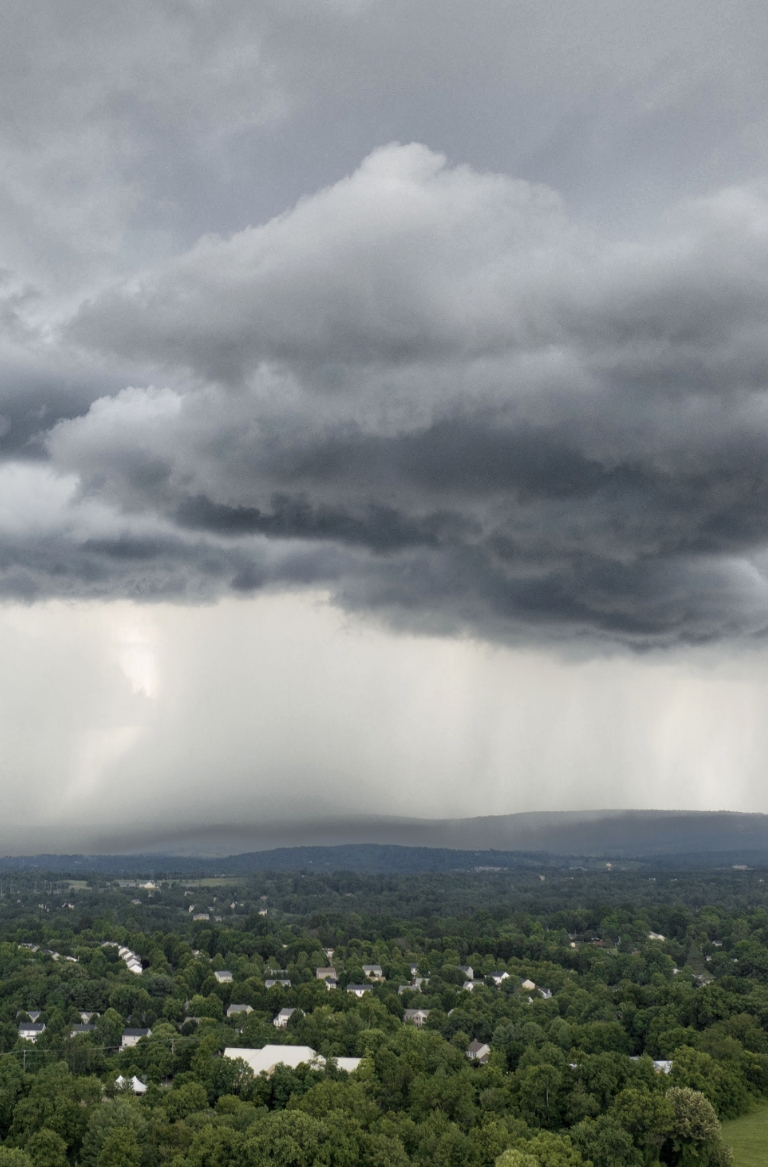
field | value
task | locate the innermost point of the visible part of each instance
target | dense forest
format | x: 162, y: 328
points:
x: 615, y: 1017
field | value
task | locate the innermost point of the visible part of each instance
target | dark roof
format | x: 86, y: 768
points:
x: 82, y: 1029
x: 34, y: 1026
x: 136, y: 1032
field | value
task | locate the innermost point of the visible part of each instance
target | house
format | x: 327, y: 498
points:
x: 224, y: 977
x: 358, y: 990
x: 86, y: 1017
x: 656, y: 936
x: 331, y: 984
x: 468, y: 971
x: 546, y: 993
x: 498, y: 977
x: 326, y: 974
x: 478, y: 1051
x: 468, y: 985
x: 132, y: 959
x: 233, y: 1010
x: 528, y: 985
x: 132, y: 1037
x: 373, y: 972
x: 413, y: 967
x: 33, y: 1014
x: 78, y: 1029
x: 329, y: 953
x: 201, y: 916
x: 31, y: 1030
x: 272, y: 981
x: 416, y: 1017
x: 134, y: 1084
x: 348, y: 1064
x: 264, y: 1060
x: 662, y: 1065
x: 283, y: 1017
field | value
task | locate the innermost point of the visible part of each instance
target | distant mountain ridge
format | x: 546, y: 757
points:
x: 688, y: 837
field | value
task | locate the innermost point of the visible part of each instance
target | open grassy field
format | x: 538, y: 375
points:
x: 749, y: 1138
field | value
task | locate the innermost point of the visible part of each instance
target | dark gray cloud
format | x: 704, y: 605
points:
x: 429, y: 391
x: 521, y: 394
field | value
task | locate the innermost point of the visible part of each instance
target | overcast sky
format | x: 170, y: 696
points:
x: 383, y: 411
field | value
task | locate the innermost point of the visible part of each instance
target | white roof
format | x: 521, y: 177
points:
x: 135, y: 1083
x: 264, y: 1060
x: 348, y: 1064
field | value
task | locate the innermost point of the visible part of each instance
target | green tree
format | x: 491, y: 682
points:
x: 605, y: 1143
x: 649, y: 1117
x: 47, y: 1149
x: 13, y: 1157
x: 695, y: 1131
x: 120, y: 1149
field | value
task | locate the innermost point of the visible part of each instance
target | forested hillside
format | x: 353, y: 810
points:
x: 624, y: 1016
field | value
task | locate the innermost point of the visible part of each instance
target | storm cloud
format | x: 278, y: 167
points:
x: 383, y: 411
x: 508, y: 389
x: 430, y: 391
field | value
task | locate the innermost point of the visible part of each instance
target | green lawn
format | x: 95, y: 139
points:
x: 749, y: 1138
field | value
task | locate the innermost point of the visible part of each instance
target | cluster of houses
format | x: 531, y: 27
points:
x: 49, y: 952
x: 132, y: 959
x: 31, y: 1030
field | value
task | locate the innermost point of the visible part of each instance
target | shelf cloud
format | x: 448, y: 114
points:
x: 428, y: 390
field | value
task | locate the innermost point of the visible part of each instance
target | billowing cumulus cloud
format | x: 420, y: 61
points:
x: 431, y: 392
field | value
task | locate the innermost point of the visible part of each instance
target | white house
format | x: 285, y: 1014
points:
x: 224, y: 977
x: 132, y: 1037
x: 31, y: 1030
x: 478, y: 1051
x: 263, y: 1061
x: 416, y: 1016
x: 283, y: 1018
x: 326, y: 974
x: 528, y: 985
x: 656, y: 936
x: 468, y: 985
x: 271, y: 982
x: 468, y: 971
x: 373, y: 972
x: 498, y: 977
x: 358, y: 990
